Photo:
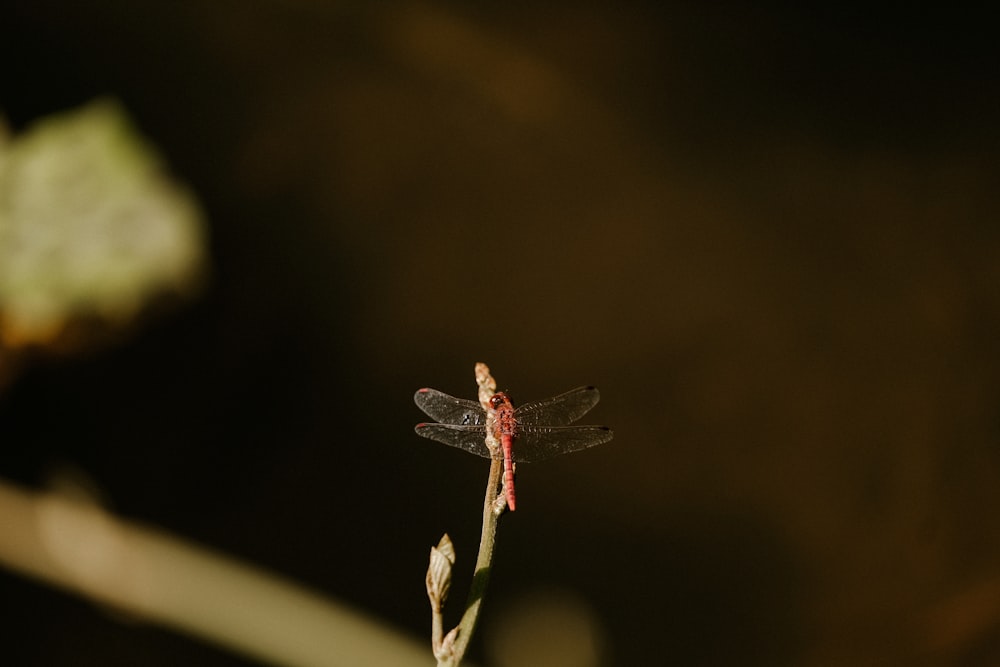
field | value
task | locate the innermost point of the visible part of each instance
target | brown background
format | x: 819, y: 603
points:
x: 767, y: 233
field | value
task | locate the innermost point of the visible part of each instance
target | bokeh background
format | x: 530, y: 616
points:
x: 767, y: 231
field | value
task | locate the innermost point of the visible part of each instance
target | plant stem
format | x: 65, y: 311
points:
x: 484, y: 563
x: 149, y: 575
x: 493, y: 506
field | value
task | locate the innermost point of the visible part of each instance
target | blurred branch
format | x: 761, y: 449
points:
x: 160, y: 578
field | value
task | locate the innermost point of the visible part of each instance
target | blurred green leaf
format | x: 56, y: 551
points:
x: 91, y: 225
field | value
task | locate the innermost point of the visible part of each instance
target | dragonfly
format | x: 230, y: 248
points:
x: 533, y: 432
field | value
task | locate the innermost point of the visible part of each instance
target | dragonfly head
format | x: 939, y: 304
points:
x: 498, y: 399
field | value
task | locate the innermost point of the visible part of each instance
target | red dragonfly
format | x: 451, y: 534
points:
x: 533, y: 432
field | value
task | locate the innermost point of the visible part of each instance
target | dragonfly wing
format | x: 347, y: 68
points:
x: 448, y: 409
x: 537, y: 443
x: 469, y: 438
x: 559, y: 410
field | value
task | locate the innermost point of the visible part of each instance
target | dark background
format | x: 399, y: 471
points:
x: 767, y: 232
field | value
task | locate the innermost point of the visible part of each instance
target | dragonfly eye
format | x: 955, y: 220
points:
x: 496, y: 401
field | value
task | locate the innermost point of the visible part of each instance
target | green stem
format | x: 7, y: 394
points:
x: 484, y: 563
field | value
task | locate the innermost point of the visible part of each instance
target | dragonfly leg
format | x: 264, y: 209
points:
x: 500, y: 504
